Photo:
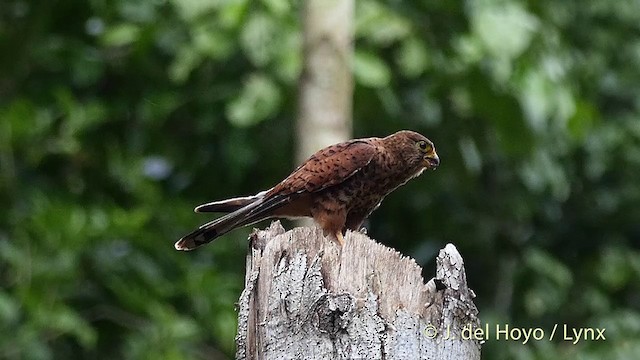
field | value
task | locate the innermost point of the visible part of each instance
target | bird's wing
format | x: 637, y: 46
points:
x: 328, y: 167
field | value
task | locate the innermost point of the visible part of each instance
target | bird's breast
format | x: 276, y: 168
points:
x: 363, y: 191
x: 368, y: 187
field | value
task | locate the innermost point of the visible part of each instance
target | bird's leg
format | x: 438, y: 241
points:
x: 331, y: 216
x: 340, y: 238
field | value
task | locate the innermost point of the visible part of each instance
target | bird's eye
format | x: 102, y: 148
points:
x: 422, y: 145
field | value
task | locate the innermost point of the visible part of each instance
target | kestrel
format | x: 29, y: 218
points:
x: 339, y: 187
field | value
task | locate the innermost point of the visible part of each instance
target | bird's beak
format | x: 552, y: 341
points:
x: 431, y: 160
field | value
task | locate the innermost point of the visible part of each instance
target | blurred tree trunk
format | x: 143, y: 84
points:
x: 304, y: 298
x: 326, y: 84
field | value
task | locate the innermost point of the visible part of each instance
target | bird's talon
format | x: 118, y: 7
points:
x: 363, y: 230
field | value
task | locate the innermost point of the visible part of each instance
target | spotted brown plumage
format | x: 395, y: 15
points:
x: 339, y: 187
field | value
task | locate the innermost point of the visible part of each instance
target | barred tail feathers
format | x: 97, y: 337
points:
x: 254, y: 212
x: 229, y: 205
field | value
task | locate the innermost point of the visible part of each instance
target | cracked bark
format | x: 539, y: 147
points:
x: 305, y: 300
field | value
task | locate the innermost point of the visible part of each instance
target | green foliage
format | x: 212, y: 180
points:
x: 116, y: 118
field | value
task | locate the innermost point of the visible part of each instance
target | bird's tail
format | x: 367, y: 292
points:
x: 229, y: 205
x: 243, y: 212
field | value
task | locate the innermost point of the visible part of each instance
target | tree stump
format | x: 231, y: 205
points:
x: 305, y: 298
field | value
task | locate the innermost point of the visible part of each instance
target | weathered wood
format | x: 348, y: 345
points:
x: 304, y: 298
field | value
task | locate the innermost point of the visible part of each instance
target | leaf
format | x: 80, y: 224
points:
x: 547, y: 266
x: 211, y: 41
x: 186, y: 61
x: 67, y: 321
x: 505, y: 29
x: 615, y: 270
x: 192, y: 9
x: 121, y: 35
x: 258, y: 37
x: 412, y: 57
x: 259, y: 99
x: 582, y: 121
x: 379, y: 24
x: 9, y: 309
x: 370, y: 70
x: 278, y: 7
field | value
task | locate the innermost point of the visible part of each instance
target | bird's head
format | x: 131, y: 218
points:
x: 415, y: 149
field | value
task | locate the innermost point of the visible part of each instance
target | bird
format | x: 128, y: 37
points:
x: 338, y: 186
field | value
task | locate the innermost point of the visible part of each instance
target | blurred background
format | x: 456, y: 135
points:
x: 118, y: 117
